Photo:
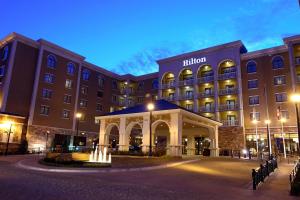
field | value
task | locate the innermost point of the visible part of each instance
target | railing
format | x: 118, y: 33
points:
x: 228, y: 107
x: 293, y: 176
x: 225, y: 76
x: 206, y: 94
x: 298, y: 78
x: 297, y: 61
x: 207, y: 109
x: 259, y: 174
x: 206, y: 79
x: 230, y: 122
x: 186, y: 82
x: 169, y: 98
x: 170, y: 84
x: 186, y: 97
x: 228, y: 91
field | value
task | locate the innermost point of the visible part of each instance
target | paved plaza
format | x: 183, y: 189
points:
x: 194, y: 178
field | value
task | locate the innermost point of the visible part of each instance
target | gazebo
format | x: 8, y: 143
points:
x: 170, y: 123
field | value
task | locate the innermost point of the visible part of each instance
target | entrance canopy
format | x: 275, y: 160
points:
x: 169, y: 123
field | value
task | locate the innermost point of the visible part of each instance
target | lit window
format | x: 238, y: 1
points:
x: 66, y: 114
x: 83, y: 103
x: 51, y: 61
x: 4, y: 55
x: 99, y: 107
x: 44, y: 110
x: 284, y: 114
x: 67, y: 99
x: 251, y: 67
x: 155, y: 84
x: 2, y: 70
x: 84, y: 90
x: 255, y: 116
x: 252, y: 84
x: 279, y: 80
x: 277, y: 62
x: 254, y: 100
x: 70, y: 68
x: 68, y: 84
x: 49, y: 78
x: 46, y: 93
x: 86, y: 74
x: 281, y: 97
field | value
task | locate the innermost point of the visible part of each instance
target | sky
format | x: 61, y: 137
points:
x: 128, y: 36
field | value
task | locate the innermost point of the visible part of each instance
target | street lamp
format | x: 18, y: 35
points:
x: 150, y: 107
x: 255, y: 122
x: 296, y: 99
x: 78, y: 116
x: 283, y: 120
x: 8, y: 125
x: 267, y: 122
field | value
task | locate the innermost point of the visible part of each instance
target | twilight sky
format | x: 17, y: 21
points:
x: 127, y: 36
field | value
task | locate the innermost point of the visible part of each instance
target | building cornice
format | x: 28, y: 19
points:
x: 294, y: 38
x: 263, y: 52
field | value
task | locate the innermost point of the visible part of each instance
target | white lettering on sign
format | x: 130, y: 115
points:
x: 192, y: 61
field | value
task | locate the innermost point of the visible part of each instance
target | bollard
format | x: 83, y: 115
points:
x: 254, y: 179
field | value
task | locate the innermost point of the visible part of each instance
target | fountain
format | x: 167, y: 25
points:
x: 100, y: 157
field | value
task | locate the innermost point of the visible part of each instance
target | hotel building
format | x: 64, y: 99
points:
x: 43, y: 86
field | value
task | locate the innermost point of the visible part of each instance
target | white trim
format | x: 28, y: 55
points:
x: 35, y: 86
x: 8, y: 75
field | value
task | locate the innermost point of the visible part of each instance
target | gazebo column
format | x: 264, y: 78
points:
x: 175, y: 148
x: 214, y: 145
x: 146, y: 133
x: 123, y: 139
x: 102, y: 134
x: 190, y: 146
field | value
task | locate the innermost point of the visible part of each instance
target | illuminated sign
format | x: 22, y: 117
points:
x: 192, y: 61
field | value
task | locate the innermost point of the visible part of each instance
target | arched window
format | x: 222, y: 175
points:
x: 4, y: 55
x: 277, y: 62
x: 155, y: 84
x: 251, y: 67
x: 86, y: 74
x: 70, y: 68
x: 51, y: 61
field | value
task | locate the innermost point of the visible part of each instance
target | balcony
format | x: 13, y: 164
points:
x: 206, y: 94
x: 207, y: 109
x: 228, y: 107
x: 297, y: 61
x: 206, y: 79
x: 186, y: 97
x: 168, y: 85
x: 226, y: 76
x: 228, y: 91
x: 187, y: 82
x: 169, y: 98
x: 230, y: 122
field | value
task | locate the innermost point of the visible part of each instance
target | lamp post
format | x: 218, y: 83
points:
x: 78, y: 116
x: 150, y: 107
x: 9, y: 126
x: 255, y: 122
x: 296, y: 99
x: 267, y: 122
x: 283, y: 120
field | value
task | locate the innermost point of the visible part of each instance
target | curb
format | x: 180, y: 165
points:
x: 20, y: 164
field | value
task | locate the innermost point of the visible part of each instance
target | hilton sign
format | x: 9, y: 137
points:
x: 192, y: 61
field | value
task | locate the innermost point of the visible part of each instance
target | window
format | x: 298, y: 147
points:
x: 251, y: 67
x: 68, y: 84
x: 70, y: 68
x: 86, y: 74
x: 100, y: 94
x: 280, y: 97
x: 46, y: 93
x: 66, y: 114
x: 254, y: 100
x: 51, y: 61
x: 255, y: 116
x: 189, y: 106
x: 99, y: 107
x: 284, y: 114
x: 100, y: 81
x: 297, y: 60
x: 83, y: 103
x: 252, y: 84
x: 279, y: 80
x: 189, y: 94
x: 277, y: 62
x: 2, y: 70
x: 114, y: 98
x: 84, y: 90
x: 49, y: 78
x: 114, y: 85
x: 140, y: 86
x: 140, y: 99
x: 44, y: 110
x: 67, y: 98
x: 155, y: 84
x: 208, y: 91
x: 4, y: 55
